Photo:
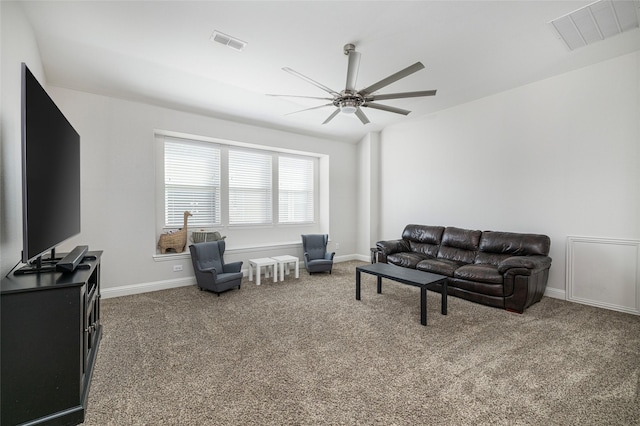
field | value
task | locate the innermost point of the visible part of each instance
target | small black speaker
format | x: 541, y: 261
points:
x: 72, y: 260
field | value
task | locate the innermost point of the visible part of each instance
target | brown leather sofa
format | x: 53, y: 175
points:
x: 501, y: 269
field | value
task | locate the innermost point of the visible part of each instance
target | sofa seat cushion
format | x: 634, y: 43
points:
x: 481, y: 292
x: 406, y: 260
x: 481, y: 273
x: 439, y: 266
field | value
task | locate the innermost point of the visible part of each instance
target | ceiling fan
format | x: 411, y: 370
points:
x: 350, y: 100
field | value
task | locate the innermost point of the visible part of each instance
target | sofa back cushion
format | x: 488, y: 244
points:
x: 423, y: 239
x: 497, y: 246
x: 459, y: 245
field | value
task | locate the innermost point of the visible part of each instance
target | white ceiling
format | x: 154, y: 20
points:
x: 159, y: 52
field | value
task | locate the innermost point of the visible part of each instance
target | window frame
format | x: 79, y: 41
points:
x: 215, y: 186
x: 225, y: 146
x: 314, y: 189
x: 235, y: 191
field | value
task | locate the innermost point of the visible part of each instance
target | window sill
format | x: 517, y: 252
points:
x: 235, y: 250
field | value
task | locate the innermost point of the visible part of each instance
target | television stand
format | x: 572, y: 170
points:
x: 51, y: 330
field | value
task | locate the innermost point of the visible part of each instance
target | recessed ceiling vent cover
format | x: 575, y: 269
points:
x: 227, y: 40
x: 597, y: 21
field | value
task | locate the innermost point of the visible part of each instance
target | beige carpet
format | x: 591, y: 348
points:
x: 305, y: 352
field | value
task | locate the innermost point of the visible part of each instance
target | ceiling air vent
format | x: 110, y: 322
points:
x: 597, y: 21
x: 227, y: 40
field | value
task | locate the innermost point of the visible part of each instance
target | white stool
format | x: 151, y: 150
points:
x: 284, y: 262
x: 268, y: 263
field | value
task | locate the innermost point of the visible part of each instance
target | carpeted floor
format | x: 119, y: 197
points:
x: 305, y: 352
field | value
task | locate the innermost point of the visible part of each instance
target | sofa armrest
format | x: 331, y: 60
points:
x: 393, y: 246
x: 529, y: 263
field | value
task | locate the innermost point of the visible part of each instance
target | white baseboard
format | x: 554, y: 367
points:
x: 348, y: 257
x: 128, y: 290
x: 555, y: 293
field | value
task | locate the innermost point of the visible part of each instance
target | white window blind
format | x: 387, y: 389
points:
x: 295, y: 190
x: 249, y: 187
x: 191, y: 182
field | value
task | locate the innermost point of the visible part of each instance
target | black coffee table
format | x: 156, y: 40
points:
x: 406, y: 276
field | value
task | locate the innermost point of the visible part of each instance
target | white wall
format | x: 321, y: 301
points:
x: 18, y: 45
x: 118, y: 184
x: 559, y: 157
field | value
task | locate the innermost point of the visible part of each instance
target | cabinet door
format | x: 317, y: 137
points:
x: 41, y: 353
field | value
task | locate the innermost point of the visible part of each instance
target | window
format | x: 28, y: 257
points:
x: 225, y: 184
x: 249, y: 188
x: 295, y: 190
x: 191, y: 182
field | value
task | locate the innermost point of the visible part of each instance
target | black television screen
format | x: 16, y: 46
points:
x: 50, y: 172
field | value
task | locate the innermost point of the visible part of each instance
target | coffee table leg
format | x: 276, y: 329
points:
x: 444, y: 297
x: 379, y: 284
x: 357, y: 285
x: 423, y: 305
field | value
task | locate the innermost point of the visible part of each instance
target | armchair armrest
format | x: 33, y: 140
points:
x: 212, y: 270
x: 525, y: 262
x: 232, y: 267
x: 392, y: 246
x: 327, y: 256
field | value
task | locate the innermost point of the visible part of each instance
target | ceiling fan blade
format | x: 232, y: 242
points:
x: 392, y: 78
x: 386, y: 108
x: 308, y: 80
x: 352, y: 71
x: 298, y: 96
x: 309, y: 109
x: 361, y: 116
x: 401, y: 95
x: 333, y: 114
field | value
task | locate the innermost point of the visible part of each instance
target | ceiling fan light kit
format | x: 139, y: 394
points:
x: 348, y: 103
x: 351, y: 101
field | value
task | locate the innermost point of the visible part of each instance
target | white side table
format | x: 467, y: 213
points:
x: 284, y: 262
x: 267, y: 263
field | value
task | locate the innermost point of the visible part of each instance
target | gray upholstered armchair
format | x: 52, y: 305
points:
x: 316, y: 258
x: 212, y: 273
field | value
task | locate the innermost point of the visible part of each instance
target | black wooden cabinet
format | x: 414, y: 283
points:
x: 50, y: 332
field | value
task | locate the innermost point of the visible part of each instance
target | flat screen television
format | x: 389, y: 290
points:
x: 50, y: 173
